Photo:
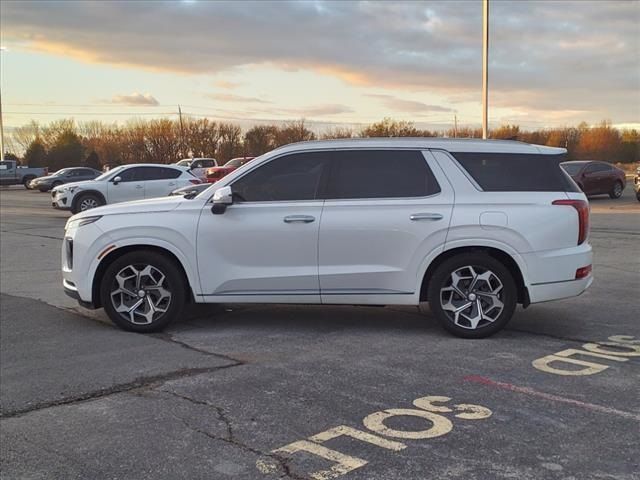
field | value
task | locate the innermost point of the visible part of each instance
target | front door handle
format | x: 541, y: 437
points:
x: 299, y: 219
x: 139, y: 186
x: 425, y: 216
x: 172, y: 184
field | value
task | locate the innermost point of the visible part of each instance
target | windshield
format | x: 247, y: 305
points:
x: 108, y: 173
x: 61, y: 171
x: 572, y: 168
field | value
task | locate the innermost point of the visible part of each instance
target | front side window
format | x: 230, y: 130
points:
x: 292, y: 177
x: 380, y: 174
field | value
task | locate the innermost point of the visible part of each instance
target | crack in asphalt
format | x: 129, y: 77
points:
x: 140, y: 383
x: 230, y: 438
x: 166, y: 337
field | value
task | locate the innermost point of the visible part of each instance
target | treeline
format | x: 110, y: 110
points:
x: 66, y: 143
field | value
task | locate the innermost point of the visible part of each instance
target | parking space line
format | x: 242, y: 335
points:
x: 549, y: 396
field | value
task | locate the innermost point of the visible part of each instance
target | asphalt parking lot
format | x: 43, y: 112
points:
x: 252, y: 392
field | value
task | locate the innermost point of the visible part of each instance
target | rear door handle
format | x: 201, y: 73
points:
x: 425, y: 216
x: 139, y: 186
x: 172, y: 184
x: 299, y: 219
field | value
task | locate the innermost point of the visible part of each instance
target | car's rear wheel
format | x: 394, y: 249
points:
x: 143, y: 291
x: 616, y: 191
x: 472, y: 295
x: 86, y: 201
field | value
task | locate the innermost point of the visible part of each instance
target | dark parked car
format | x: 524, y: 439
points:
x: 596, y: 178
x: 636, y: 183
x: 65, y: 175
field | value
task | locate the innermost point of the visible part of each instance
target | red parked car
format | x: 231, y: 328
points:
x: 595, y: 178
x: 216, y: 173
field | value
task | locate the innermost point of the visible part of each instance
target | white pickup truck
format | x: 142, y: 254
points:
x: 13, y: 174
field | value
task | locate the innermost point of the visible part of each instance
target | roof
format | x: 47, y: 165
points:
x: 448, y: 144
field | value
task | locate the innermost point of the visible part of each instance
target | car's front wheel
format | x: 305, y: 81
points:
x: 143, y: 291
x: 473, y: 295
x: 86, y: 201
x: 616, y: 191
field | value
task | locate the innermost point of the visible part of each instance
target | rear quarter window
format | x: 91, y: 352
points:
x: 521, y: 172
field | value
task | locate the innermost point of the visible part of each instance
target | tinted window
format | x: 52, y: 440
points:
x: 597, y: 167
x: 572, y: 168
x: 292, y: 177
x: 205, y: 163
x: 86, y: 172
x: 517, y: 172
x: 130, y: 174
x: 156, y: 173
x: 380, y: 174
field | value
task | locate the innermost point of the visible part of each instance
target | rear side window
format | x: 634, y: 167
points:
x: 517, y: 172
x: 380, y: 174
x: 597, y: 167
x: 156, y: 173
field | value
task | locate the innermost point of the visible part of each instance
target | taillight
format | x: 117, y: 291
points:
x: 583, y: 272
x: 582, y: 207
x: 195, y: 181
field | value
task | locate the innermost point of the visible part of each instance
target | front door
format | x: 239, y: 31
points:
x: 384, y: 213
x: 130, y: 187
x: 264, y: 247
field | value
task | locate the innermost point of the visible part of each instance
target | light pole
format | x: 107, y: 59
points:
x: 485, y: 68
x: 2, y: 49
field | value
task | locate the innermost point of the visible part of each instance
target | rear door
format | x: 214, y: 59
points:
x: 160, y: 181
x: 384, y: 212
x: 596, y: 178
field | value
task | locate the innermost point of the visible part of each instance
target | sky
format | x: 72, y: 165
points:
x: 342, y: 63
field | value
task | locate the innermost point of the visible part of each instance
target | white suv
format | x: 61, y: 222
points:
x: 121, y: 184
x: 473, y: 227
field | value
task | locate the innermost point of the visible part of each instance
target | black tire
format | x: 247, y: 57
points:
x: 26, y: 180
x: 616, y: 190
x: 638, y: 195
x: 480, y: 262
x: 43, y: 189
x: 174, y: 282
x: 86, y: 199
x: 54, y: 185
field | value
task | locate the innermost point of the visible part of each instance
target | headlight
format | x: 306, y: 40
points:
x: 79, y: 222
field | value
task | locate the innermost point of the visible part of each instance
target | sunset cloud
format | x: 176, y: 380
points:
x: 574, y: 56
x: 137, y: 99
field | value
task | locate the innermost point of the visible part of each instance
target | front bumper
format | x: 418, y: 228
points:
x: 60, y: 201
x: 71, y: 291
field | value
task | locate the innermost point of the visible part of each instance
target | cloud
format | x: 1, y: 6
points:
x: 226, y: 84
x: 556, y: 50
x: 227, y: 97
x: 408, y: 106
x: 137, y: 99
x: 316, y: 111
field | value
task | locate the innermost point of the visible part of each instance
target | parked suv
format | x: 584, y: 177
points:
x: 471, y: 226
x: 121, y: 184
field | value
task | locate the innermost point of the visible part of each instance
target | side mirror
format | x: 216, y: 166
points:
x: 221, y: 200
x: 117, y: 180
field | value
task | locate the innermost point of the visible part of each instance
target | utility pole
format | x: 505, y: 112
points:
x: 2, y: 49
x: 182, y: 152
x: 455, y: 126
x: 485, y: 68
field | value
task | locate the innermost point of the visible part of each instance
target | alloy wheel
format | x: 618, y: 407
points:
x: 472, y: 297
x: 140, y: 294
x: 88, y: 203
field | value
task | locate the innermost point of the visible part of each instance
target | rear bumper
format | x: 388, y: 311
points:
x: 545, y: 292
